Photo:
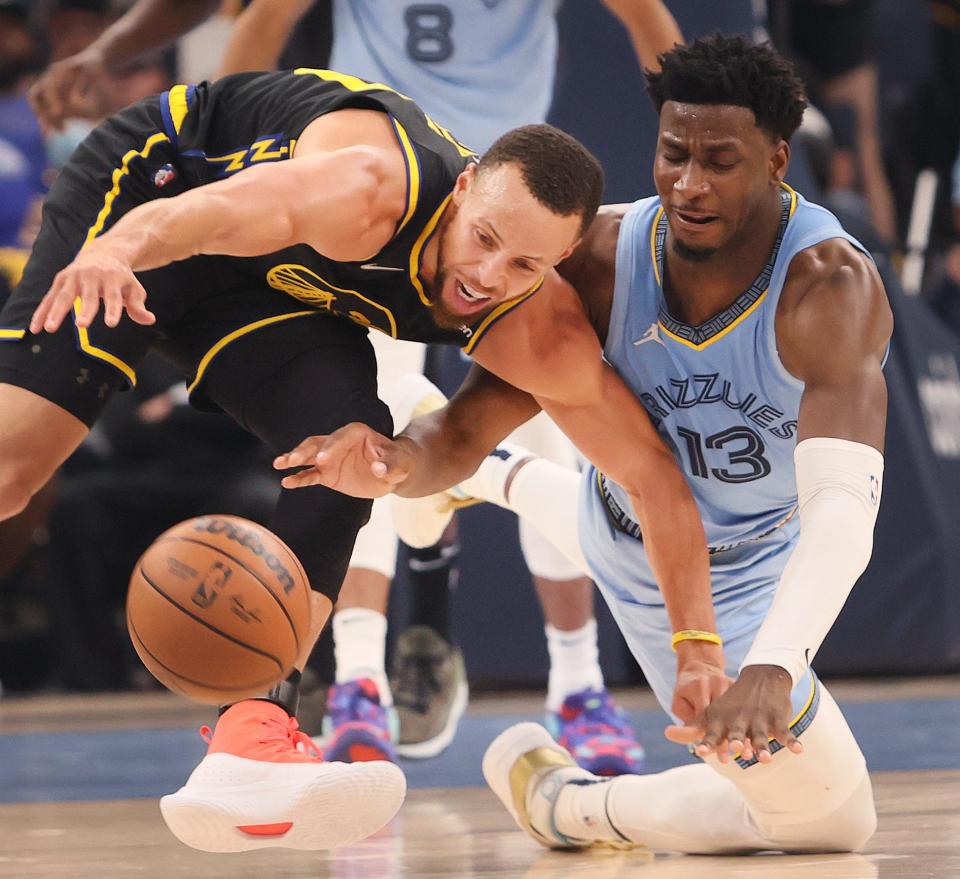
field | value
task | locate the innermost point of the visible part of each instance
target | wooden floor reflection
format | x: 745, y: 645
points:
x: 449, y: 834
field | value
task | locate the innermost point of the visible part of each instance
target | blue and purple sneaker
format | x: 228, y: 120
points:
x: 357, y: 728
x: 597, y: 733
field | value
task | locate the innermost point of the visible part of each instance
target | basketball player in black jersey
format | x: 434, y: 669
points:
x: 253, y: 231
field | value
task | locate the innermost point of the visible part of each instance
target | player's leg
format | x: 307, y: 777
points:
x: 580, y: 713
x: 54, y: 385
x: 819, y: 800
x: 262, y: 782
x: 361, y: 723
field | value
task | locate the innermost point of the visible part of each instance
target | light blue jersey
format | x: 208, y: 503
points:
x: 478, y: 67
x: 727, y: 407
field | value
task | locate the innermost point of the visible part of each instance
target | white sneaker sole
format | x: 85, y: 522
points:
x: 441, y: 741
x: 232, y: 804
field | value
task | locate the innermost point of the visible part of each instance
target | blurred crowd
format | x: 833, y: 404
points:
x: 153, y: 461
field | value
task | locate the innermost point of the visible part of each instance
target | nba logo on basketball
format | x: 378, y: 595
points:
x: 212, y: 584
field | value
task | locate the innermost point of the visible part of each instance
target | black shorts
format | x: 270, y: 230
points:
x: 282, y: 371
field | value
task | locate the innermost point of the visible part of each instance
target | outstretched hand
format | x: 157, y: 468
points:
x: 354, y: 460
x: 93, y: 276
x: 754, y: 710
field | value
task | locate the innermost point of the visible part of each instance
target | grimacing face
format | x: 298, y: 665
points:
x: 713, y: 170
x: 499, y: 242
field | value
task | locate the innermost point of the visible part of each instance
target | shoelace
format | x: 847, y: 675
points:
x: 416, y: 682
x: 286, y: 732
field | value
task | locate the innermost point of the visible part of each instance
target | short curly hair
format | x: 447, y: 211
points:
x: 731, y: 70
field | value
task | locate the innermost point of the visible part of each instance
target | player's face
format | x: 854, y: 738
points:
x: 714, y: 170
x: 498, y: 245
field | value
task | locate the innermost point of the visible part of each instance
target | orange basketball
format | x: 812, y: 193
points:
x: 218, y: 608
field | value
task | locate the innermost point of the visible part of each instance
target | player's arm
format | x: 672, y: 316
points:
x: 260, y: 33
x: 434, y: 451
x: 68, y: 87
x: 833, y: 328
x: 652, y: 28
x: 344, y: 203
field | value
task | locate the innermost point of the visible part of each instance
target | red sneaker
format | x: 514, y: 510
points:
x: 264, y: 784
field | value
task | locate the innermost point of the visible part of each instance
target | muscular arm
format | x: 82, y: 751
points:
x: 258, y: 210
x: 651, y: 27
x: 447, y: 446
x: 260, y: 33
x: 339, y: 218
x: 833, y: 326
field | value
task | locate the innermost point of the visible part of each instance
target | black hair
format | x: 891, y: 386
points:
x: 560, y: 172
x: 731, y: 70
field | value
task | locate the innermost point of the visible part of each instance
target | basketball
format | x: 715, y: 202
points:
x: 218, y: 609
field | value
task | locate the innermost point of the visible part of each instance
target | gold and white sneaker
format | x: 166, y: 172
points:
x: 527, y: 769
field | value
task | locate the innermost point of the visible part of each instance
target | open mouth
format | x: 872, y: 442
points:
x: 691, y: 218
x: 473, y: 299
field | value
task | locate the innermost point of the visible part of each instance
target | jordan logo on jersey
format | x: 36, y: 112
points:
x: 652, y: 334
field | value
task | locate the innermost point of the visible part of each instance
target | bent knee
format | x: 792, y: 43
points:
x: 847, y: 829
x: 859, y: 823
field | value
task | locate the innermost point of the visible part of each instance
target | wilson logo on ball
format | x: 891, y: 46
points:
x: 213, y: 583
x: 249, y: 539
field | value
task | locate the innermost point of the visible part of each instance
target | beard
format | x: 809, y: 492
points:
x: 442, y: 316
x: 692, y: 254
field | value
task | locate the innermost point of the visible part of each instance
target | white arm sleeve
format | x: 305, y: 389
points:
x: 838, y: 491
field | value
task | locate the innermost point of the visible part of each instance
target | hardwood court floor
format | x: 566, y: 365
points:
x: 455, y: 834
x: 441, y: 833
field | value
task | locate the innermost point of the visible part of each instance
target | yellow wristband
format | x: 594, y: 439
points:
x: 694, y: 635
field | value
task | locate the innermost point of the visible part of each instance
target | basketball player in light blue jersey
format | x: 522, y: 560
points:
x: 754, y: 330
x: 478, y: 67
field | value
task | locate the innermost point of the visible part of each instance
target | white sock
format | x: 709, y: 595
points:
x: 359, y: 645
x: 574, y: 662
x: 492, y: 474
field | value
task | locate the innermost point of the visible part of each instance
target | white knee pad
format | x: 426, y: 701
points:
x: 376, y: 546
x: 543, y: 558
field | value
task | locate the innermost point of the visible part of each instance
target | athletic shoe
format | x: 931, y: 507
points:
x: 597, y: 732
x: 264, y: 784
x: 430, y: 691
x: 527, y: 770
x: 357, y: 728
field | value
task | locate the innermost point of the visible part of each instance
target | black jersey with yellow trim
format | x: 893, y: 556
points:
x: 222, y: 128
